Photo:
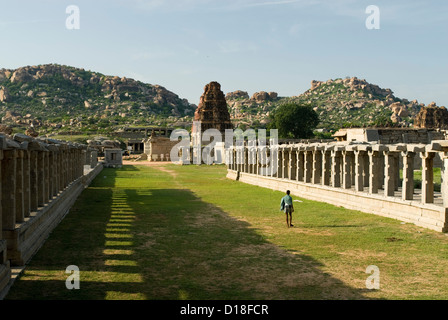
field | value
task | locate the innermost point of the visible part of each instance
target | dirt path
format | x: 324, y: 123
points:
x: 160, y: 165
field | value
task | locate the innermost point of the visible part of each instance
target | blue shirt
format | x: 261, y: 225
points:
x: 286, y: 200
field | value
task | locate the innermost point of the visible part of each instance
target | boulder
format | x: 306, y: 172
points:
x: 20, y: 137
x: 432, y: 117
x: 237, y: 94
x: 4, y: 95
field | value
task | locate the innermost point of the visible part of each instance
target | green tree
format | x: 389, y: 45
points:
x: 294, y: 121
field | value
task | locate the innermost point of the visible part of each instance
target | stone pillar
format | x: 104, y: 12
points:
x: 19, y: 196
x: 40, y: 178
x: 56, y: 173
x: 249, y: 159
x: 257, y: 160
x: 366, y: 169
x: 47, y: 176
x: 279, y: 173
x: 444, y: 173
x: 397, y: 170
x: 317, y: 166
x: 427, y: 177
x: 61, y: 157
x: 326, y: 167
x: 34, y: 181
x: 389, y: 174
x: 8, y: 176
x: 88, y: 156
x: 347, y: 169
x: 292, y: 167
x: 300, y: 165
x: 51, y: 174
x: 263, y: 165
x: 94, y: 159
x: 82, y: 160
x: 380, y: 175
x: 285, y: 163
x: 308, y: 166
x: 374, y: 170
x: 239, y: 159
x: 26, y: 183
x: 359, y: 169
x: 408, y: 175
x: 336, y: 168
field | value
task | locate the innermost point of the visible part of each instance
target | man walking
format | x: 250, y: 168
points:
x: 287, y: 207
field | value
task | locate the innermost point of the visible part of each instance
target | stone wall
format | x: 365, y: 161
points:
x: 39, y: 181
x: 359, y: 176
x: 159, y: 148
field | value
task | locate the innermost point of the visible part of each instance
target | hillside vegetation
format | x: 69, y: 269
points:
x: 62, y: 98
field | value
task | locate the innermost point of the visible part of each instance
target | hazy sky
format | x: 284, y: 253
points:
x: 250, y: 45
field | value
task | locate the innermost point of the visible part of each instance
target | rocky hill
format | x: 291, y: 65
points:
x: 56, y: 97
x: 340, y: 102
x: 52, y: 98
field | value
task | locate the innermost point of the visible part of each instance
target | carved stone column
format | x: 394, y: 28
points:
x: 408, y: 175
x: 41, y: 178
x: 300, y: 165
x: 19, y: 195
x: 444, y: 177
x: 336, y: 159
x: 308, y: 166
x: 347, y: 157
x: 326, y: 167
x: 26, y: 183
x: 47, y: 176
x: 374, y: 171
x: 427, y: 177
x: 317, y: 165
x: 359, y: 169
x: 8, y: 176
x: 34, y: 178
x: 389, y: 174
x: 284, y: 164
x: 292, y: 167
x: 279, y: 173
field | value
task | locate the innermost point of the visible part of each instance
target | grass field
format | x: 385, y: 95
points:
x: 187, y: 232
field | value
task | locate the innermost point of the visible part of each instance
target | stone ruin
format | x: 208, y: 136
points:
x: 212, y: 110
x: 356, y: 175
x: 40, y: 179
x: 432, y: 117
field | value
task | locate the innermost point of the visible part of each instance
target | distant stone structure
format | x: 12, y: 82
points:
x: 212, y: 110
x: 212, y: 113
x: 113, y: 158
x: 390, y: 135
x: 432, y: 117
x: 158, y: 148
x: 137, y: 137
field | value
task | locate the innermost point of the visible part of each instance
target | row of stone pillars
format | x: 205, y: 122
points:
x: 32, y: 173
x: 363, y: 167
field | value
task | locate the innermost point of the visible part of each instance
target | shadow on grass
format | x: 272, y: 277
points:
x: 150, y: 243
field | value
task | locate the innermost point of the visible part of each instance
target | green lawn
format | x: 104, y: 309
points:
x: 187, y: 232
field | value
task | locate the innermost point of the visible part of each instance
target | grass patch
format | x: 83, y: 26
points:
x: 187, y: 232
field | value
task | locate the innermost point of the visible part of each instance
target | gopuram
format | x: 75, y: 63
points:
x: 212, y: 113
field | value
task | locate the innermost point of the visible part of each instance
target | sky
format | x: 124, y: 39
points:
x: 249, y: 45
